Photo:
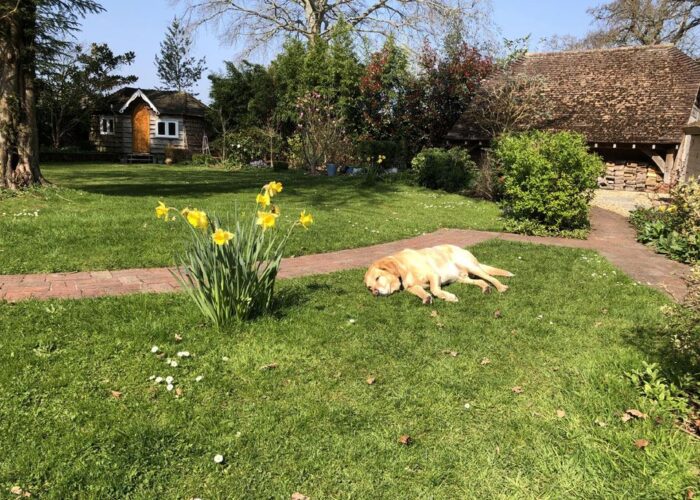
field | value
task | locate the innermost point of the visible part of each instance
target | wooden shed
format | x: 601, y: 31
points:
x: 633, y: 105
x: 139, y: 124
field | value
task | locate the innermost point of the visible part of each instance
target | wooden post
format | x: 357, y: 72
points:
x: 668, y: 171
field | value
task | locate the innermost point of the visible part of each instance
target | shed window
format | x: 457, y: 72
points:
x: 167, y: 128
x: 106, y: 125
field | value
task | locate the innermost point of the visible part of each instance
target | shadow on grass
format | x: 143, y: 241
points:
x: 656, y: 342
x: 190, y: 182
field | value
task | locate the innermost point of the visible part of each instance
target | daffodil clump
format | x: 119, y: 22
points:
x: 230, y: 269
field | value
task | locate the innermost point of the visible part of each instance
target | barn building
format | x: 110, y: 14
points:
x: 637, y: 107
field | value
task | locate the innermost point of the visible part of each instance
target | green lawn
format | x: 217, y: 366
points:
x: 569, y: 329
x: 102, y: 217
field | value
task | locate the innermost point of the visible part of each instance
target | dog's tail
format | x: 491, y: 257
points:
x: 494, y: 271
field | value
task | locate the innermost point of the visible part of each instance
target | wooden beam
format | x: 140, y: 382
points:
x: 670, y: 158
x: 657, y: 159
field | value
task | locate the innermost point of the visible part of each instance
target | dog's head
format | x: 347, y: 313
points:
x: 384, y: 277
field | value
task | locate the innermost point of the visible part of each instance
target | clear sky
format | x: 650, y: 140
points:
x: 139, y: 25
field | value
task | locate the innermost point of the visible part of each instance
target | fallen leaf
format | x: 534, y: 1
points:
x: 116, y: 394
x: 598, y: 324
x: 604, y: 310
x: 299, y: 496
x: 433, y: 314
x: 517, y: 389
x: 561, y: 413
x: 485, y: 361
x: 271, y: 366
x: 16, y: 490
x: 439, y: 324
x: 600, y: 423
x: 371, y: 380
x: 690, y: 495
x: 405, y: 439
x: 497, y: 314
x: 632, y: 413
x: 454, y: 354
x: 178, y: 392
x: 641, y: 443
x: 178, y: 337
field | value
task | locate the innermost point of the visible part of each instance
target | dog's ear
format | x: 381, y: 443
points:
x: 391, y: 265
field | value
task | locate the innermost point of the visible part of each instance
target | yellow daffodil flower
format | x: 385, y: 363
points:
x: 221, y: 237
x: 306, y: 219
x: 197, y: 219
x: 185, y: 211
x: 672, y: 208
x: 162, y: 211
x: 266, y: 219
x: 662, y: 208
x: 263, y: 199
x: 273, y: 188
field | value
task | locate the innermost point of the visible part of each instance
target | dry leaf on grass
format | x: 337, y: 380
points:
x: 433, y: 314
x: 632, y: 413
x: 497, y: 314
x: 690, y: 494
x: 271, y: 366
x: 405, y: 439
x: 600, y: 423
x: 178, y: 392
x: 299, y: 496
x: 454, y: 354
x: 485, y: 361
x: 116, y: 394
x: 517, y: 389
x: 561, y: 413
x: 16, y: 490
x: 178, y: 337
x: 641, y: 443
x: 371, y: 380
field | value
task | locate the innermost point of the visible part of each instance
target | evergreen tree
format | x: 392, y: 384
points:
x: 31, y: 35
x: 177, y: 69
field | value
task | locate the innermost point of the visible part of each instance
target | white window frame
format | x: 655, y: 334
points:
x: 167, y: 123
x: 106, y: 119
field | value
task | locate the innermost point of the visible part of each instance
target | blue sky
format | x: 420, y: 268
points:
x: 139, y: 25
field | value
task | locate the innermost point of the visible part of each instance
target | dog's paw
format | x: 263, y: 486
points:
x: 428, y: 300
x: 486, y: 290
x: 450, y: 297
x: 503, y: 288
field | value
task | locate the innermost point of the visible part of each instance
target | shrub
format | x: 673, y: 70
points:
x: 488, y: 183
x: 247, y: 145
x: 451, y: 170
x: 177, y: 155
x: 673, y: 229
x: 201, y: 160
x: 390, y: 151
x: 549, y: 179
x: 231, y: 274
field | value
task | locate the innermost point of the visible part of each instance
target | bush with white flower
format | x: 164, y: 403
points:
x: 230, y: 270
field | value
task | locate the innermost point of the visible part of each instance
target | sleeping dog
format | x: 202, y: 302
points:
x: 430, y: 268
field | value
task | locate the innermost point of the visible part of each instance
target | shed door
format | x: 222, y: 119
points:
x: 141, y: 129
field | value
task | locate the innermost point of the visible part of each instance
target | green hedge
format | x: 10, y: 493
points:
x: 549, y: 180
x: 451, y: 170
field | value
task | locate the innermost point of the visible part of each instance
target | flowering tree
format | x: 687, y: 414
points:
x: 321, y: 130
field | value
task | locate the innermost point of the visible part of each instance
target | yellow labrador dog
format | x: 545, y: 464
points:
x: 416, y: 270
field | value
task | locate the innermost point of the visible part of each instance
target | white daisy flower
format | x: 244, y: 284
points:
x: 152, y: 377
x: 159, y: 380
x: 169, y: 379
x: 219, y: 459
x: 154, y: 349
x: 173, y: 364
x: 170, y: 387
x: 183, y: 354
x: 225, y: 358
x: 199, y: 378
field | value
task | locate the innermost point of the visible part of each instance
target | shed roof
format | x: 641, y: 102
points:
x: 641, y: 94
x: 166, y: 102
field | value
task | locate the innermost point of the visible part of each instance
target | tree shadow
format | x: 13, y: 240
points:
x: 656, y: 344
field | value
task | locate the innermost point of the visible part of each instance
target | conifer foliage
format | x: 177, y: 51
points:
x: 177, y: 68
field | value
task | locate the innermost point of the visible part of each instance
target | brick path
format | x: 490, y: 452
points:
x: 611, y: 236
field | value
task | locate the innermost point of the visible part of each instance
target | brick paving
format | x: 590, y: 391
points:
x: 611, y: 236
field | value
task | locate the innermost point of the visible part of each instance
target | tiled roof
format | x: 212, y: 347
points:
x: 168, y: 102
x: 631, y: 94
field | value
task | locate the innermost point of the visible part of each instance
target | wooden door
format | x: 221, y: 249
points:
x: 141, y: 129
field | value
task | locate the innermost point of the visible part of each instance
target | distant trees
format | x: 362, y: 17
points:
x: 72, y: 87
x: 258, y: 22
x: 639, y: 22
x: 31, y: 34
x: 176, y: 68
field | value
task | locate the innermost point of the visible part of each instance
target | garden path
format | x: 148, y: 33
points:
x: 611, y: 235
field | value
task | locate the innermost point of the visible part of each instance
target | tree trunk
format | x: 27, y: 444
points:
x: 19, y: 140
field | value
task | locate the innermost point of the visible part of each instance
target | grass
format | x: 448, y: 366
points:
x: 102, y: 217
x: 571, y: 325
